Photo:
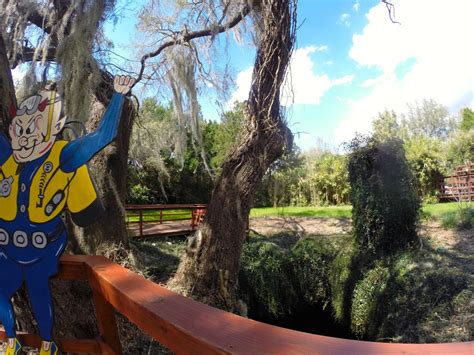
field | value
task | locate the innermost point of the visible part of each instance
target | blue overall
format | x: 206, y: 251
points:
x: 32, y: 265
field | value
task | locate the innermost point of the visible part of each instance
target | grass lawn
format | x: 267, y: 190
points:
x: 154, y: 215
x: 321, y: 212
x: 438, y: 210
x: 434, y: 211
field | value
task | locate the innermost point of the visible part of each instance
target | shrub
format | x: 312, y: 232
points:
x: 265, y: 281
x: 339, y: 275
x: 365, y: 300
x: 385, y: 203
x: 416, y: 303
x: 463, y: 218
x: 139, y: 194
x: 449, y: 219
x: 310, y: 262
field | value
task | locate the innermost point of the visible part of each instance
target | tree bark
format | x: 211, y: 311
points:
x: 7, y: 90
x: 109, y: 169
x: 209, y: 269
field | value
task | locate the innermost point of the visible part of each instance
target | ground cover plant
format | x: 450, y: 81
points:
x: 298, y: 281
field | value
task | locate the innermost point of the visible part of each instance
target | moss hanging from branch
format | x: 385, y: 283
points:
x: 64, y: 33
x: 182, y: 80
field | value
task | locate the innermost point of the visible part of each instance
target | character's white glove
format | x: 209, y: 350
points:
x: 123, y: 84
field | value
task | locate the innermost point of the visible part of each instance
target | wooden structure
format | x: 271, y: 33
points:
x: 460, y: 185
x: 188, y: 327
x: 143, y: 220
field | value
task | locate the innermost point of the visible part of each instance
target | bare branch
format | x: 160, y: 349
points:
x: 185, y: 36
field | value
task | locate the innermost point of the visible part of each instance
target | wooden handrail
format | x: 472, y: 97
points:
x: 189, y: 327
x: 193, y: 213
x: 165, y: 206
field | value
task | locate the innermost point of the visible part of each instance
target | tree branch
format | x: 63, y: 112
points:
x: 188, y: 36
x: 28, y: 54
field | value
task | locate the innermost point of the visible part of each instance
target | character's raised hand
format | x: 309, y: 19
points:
x: 123, y: 84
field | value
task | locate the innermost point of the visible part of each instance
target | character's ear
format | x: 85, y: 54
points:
x: 58, y: 125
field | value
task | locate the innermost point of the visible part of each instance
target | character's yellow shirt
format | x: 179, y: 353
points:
x: 51, y: 190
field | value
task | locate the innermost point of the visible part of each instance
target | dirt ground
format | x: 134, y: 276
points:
x: 300, y: 225
x: 430, y: 231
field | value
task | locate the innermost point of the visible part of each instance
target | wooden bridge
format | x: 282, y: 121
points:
x: 460, y: 185
x: 163, y: 220
x: 188, y: 327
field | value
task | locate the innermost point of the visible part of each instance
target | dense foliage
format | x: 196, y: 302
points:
x: 434, y: 144
x: 412, y: 296
x: 385, y: 205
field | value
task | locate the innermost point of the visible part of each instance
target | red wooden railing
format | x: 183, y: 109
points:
x: 164, y: 214
x: 188, y: 327
x: 460, y: 185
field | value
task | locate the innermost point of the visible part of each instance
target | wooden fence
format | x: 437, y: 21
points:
x: 460, y: 185
x: 149, y: 215
x: 188, y: 327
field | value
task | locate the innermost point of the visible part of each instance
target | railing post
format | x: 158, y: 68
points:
x: 107, y: 324
x: 193, y: 218
x: 141, y: 222
x: 161, y: 216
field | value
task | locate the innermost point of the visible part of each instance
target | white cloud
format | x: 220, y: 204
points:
x: 344, y: 19
x: 322, y: 48
x: 243, y: 81
x: 302, y: 85
x: 437, y: 35
x: 356, y: 6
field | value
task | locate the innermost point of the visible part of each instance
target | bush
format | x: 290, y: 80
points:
x: 265, y: 281
x: 311, y: 262
x: 339, y: 275
x: 385, y: 203
x: 462, y: 218
x: 139, y: 194
x: 416, y: 304
x: 366, y: 298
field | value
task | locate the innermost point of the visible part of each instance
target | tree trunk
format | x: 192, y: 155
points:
x: 109, y: 169
x: 209, y: 269
x: 7, y: 90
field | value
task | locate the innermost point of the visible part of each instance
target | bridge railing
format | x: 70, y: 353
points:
x: 162, y: 214
x: 188, y: 327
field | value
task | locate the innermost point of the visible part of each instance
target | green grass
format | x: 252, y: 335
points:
x: 438, y: 210
x: 154, y: 215
x: 319, y: 212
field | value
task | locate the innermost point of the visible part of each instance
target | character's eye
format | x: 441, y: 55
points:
x: 31, y: 128
x: 18, y: 130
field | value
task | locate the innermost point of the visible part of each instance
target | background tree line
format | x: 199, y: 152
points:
x: 434, y: 143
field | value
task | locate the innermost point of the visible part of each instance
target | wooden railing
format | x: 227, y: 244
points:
x: 460, y: 185
x: 188, y: 327
x: 164, y: 214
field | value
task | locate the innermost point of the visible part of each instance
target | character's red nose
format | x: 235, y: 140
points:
x: 42, y: 105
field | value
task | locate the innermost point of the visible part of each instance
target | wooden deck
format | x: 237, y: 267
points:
x: 165, y: 230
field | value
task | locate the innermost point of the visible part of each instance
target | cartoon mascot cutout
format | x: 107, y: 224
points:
x: 40, y: 177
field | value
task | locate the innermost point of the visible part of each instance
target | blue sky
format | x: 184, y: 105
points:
x: 351, y: 62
